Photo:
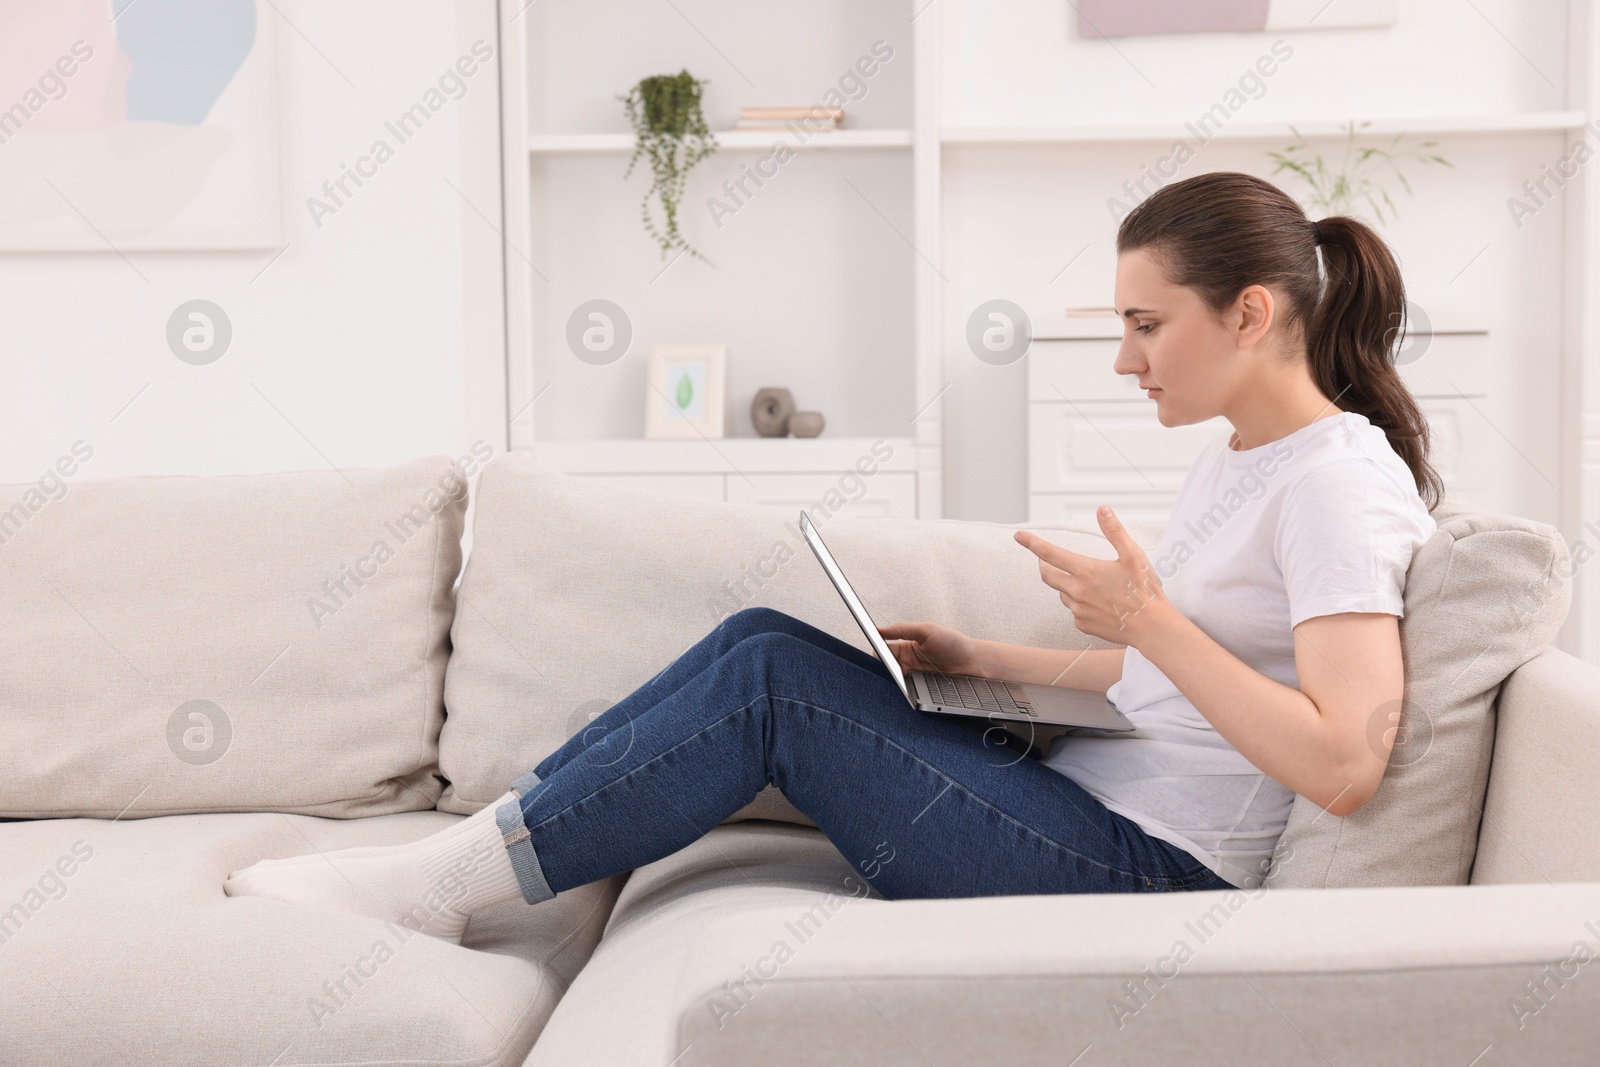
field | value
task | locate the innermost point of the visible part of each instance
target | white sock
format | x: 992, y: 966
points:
x: 432, y: 885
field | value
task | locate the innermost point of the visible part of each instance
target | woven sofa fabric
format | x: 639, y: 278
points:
x: 117, y: 946
x: 271, y: 642
x: 731, y: 951
x: 577, y: 593
x: 1485, y: 594
x: 1438, y: 976
x: 661, y: 913
x: 1541, y: 819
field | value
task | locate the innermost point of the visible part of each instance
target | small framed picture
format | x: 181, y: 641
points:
x: 685, y: 390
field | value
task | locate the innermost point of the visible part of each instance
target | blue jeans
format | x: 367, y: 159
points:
x: 923, y: 805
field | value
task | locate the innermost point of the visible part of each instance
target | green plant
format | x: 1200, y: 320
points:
x: 1335, y: 192
x: 671, y: 131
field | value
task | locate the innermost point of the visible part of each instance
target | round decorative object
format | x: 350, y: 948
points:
x: 770, y: 411
x: 805, y: 423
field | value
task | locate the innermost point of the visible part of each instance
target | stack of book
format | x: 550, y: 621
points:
x: 815, y: 117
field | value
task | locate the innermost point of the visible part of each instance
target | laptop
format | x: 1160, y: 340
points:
x: 968, y: 695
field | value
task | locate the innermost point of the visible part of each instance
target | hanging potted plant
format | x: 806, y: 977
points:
x: 670, y: 131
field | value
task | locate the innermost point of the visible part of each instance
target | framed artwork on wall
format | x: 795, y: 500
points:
x: 138, y: 124
x: 684, y: 391
x: 1133, y: 18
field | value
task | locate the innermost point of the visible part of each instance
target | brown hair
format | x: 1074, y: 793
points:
x: 1219, y: 233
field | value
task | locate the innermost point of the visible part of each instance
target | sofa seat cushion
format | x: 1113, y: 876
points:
x: 118, y: 946
x: 660, y: 914
x: 1437, y: 976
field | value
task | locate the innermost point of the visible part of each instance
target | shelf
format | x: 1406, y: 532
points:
x: 786, y: 455
x: 1419, y: 125
x: 730, y: 140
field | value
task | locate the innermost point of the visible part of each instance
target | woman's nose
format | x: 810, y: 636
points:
x: 1128, y: 359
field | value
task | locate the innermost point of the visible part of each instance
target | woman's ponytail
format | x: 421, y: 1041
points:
x: 1357, y: 327
x: 1218, y: 233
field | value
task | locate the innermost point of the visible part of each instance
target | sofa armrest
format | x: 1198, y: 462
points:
x: 1541, y: 815
x: 1414, y: 975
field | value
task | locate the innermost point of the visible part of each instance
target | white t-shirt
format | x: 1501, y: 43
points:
x: 1320, y: 522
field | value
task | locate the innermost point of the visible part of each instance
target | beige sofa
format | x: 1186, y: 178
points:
x: 203, y: 672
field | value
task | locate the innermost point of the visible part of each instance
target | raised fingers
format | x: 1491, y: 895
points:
x: 1117, y: 534
x: 1050, y: 552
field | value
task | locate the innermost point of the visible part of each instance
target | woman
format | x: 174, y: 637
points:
x: 1261, y: 659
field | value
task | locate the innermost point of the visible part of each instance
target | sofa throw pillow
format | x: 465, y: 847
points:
x: 577, y: 592
x: 1484, y: 595
x: 271, y: 642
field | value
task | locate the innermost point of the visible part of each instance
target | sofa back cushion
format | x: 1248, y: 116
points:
x: 252, y: 643
x: 576, y: 593
x: 1485, y: 594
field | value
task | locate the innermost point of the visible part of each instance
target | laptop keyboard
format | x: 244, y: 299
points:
x: 986, y: 694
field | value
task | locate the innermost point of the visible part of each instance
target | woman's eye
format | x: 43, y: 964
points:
x: 1146, y: 328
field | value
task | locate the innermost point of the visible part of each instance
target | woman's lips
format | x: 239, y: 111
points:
x: 1152, y: 393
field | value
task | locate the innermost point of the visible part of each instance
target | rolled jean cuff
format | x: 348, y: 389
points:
x: 514, y: 834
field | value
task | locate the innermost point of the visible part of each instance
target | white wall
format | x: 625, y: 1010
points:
x: 377, y: 336
x: 1021, y: 63
x: 1016, y: 215
x: 353, y: 348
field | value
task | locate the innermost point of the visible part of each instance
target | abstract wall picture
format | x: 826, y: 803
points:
x: 137, y: 124
x: 684, y: 391
x: 1130, y: 18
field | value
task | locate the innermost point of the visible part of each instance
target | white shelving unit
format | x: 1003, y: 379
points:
x: 729, y: 141
x: 841, y: 228
x: 930, y: 201
x: 1418, y: 126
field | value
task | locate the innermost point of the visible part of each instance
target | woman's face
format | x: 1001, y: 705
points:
x: 1190, y: 359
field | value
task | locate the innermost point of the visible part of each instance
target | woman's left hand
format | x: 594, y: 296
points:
x: 1114, y: 599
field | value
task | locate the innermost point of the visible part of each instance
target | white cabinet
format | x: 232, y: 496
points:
x: 1468, y: 455
x: 1078, y: 508
x: 1094, y: 438
x: 698, y: 486
x: 1110, y: 447
x: 870, y: 476
x: 885, y: 493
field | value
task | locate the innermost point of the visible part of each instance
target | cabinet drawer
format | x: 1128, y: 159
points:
x: 890, y: 493
x: 698, y: 486
x: 1436, y: 365
x: 1079, y: 370
x: 1078, y: 508
x: 1451, y: 364
x: 1468, y: 453
x: 1108, y: 447
x: 1116, y: 452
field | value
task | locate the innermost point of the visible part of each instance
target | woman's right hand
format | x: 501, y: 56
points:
x: 927, y: 646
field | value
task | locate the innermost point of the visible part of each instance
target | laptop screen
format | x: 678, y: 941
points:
x: 853, y: 602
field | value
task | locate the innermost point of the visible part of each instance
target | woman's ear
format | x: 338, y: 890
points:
x: 1256, y: 309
